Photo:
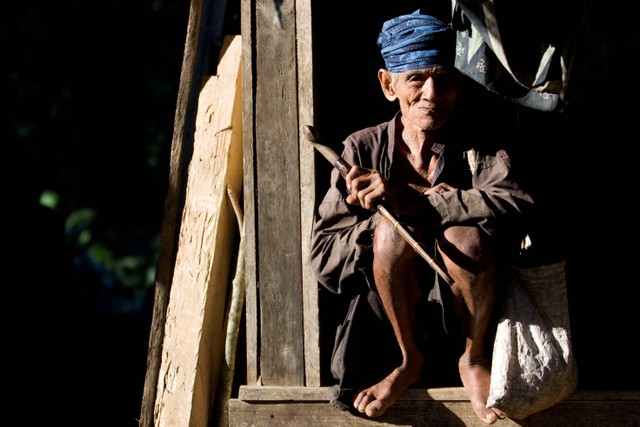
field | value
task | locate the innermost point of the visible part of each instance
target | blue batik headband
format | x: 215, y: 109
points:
x: 415, y: 41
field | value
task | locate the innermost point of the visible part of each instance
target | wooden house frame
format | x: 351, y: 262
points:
x: 283, y: 373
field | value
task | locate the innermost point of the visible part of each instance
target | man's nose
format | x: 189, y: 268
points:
x: 429, y: 89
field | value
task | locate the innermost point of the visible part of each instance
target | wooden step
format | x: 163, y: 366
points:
x: 309, y: 407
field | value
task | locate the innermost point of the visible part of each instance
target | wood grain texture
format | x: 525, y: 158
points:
x: 309, y: 407
x: 277, y: 195
x: 311, y: 319
x: 182, y: 138
x: 252, y: 312
x: 194, y: 335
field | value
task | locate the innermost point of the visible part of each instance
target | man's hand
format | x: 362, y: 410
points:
x: 367, y: 187
x: 443, y: 187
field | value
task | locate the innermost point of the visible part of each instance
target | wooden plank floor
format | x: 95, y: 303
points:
x: 309, y: 407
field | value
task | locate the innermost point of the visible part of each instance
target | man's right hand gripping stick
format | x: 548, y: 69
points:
x: 344, y: 167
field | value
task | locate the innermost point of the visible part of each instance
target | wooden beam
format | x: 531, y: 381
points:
x: 277, y: 195
x: 252, y: 305
x: 269, y: 83
x: 311, y: 319
x: 309, y: 406
x: 194, y: 337
x: 181, y: 145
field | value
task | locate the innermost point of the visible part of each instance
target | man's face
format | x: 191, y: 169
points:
x: 427, y: 96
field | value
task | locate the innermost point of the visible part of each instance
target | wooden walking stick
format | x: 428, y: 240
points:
x: 342, y: 166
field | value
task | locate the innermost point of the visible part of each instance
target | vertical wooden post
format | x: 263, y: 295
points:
x: 282, y: 328
x: 306, y: 113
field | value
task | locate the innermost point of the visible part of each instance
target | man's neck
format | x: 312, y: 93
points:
x: 418, y: 142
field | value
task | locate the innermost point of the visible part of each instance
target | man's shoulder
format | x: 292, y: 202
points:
x: 371, y: 134
x: 369, y: 146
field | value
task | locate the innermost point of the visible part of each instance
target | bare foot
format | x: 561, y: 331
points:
x: 476, y: 378
x: 375, y: 400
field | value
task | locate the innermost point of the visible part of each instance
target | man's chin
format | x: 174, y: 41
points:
x: 430, y: 125
x: 428, y: 122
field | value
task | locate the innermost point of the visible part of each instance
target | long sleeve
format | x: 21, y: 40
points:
x: 342, y: 238
x: 493, y: 200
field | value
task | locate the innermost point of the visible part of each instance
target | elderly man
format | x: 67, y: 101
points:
x: 457, y: 196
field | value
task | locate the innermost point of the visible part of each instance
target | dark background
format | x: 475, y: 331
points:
x: 90, y: 99
x: 90, y: 102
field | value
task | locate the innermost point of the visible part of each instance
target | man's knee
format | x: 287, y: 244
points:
x: 467, y: 246
x: 388, y: 242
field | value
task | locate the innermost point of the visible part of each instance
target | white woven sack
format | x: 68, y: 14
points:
x: 533, y: 366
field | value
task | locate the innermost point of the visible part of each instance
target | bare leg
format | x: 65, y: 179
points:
x: 398, y: 287
x: 470, y: 263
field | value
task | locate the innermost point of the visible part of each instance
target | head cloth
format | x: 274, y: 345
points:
x: 415, y: 41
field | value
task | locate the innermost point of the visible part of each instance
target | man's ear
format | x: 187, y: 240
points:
x: 386, y: 83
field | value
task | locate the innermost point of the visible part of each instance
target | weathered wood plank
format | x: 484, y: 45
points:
x: 308, y: 406
x: 182, y: 135
x: 277, y: 195
x: 193, y: 346
x: 252, y: 305
x: 307, y: 191
x: 318, y: 394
